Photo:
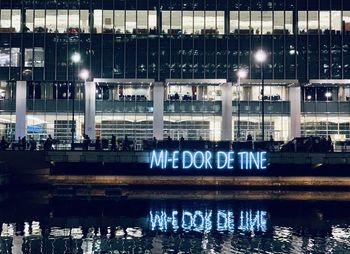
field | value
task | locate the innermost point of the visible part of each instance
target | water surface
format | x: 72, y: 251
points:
x: 160, y: 225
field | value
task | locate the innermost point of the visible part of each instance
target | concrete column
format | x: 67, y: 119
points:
x: 158, y: 110
x: 295, y: 111
x: 21, y: 108
x: 90, y: 109
x: 226, y: 121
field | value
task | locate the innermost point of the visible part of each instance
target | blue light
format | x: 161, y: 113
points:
x: 157, y: 159
x: 201, y: 159
x: 263, y: 160
x: 175, y: 159
x: 230, y: 160
x: 207, y: 160
x: 243, y: 158
x: 219, y: 157
x: 184, y: 160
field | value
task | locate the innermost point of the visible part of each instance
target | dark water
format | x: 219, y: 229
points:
x: 56, y: 225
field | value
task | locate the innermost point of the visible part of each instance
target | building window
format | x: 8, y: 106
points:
x: 119, y: 22
x: 255, y: 23
x: 187, y: 21
x: 336, y: 21
x: 302, y: 22
x: 325, y: 21
x: 39, y: 21
x: 34, y: 57
x: 313, y: 22
x: 108, y: 21
x: 267, y: 22
x: 10, y: 22
x: 51, y: 19
x: 234, y: 21
x: 198, y: 21
x: 10, y: 57
x: 62, y: 21
x: 130, y: 23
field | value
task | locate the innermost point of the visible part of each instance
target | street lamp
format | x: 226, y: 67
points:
x: 261, y: 57
x: 241, y: 74
x: 76, y: 58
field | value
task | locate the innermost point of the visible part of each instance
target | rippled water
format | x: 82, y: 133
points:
x: 173, y: 226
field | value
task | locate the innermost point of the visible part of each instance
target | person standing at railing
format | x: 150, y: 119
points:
x: 3, y: 144
x: 98, y: 144
x: 113, y: 143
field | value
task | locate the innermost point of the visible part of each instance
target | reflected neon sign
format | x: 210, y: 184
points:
x: 230, y: 160
x: 206, y: 220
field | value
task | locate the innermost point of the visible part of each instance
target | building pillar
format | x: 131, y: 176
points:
x: 295, y: 111
x: 90, y: 109
x: 21, y: 108
x: 226, y: 121
x: 158, y: 110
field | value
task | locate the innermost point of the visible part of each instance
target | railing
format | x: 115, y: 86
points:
x: 212, y: 107
x: 39, y: 105
x: 325, y: 107
x: 254, y: 107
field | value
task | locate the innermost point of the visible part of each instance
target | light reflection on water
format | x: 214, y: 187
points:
x: 175, y: 226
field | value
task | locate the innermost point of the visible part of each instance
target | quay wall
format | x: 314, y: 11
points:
x: 132, y: 169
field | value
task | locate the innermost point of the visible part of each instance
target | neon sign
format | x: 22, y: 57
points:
x: 230, y: 160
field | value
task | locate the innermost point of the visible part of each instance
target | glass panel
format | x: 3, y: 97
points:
x: 220, y: 19
x: 108, y: 21
x: 16, y: 20
x: 28, y: 57
x: 176, y: 20
x: 152, y: 20
x: 84, y: 21
x: 130, y: 24
x: 166, y: 21
x: 39, y: 21
x: 29, y: 21
x: 98, y: 21
x: 278, y: 22
x: 289, y: 22
x: 346, y: 20
x: 244, y: 24
x: 15, y: 57
x: 256, y: 22
x: 267, y: 22
x: 62, y: 21
x: 198, y: 22
x: 119, y: 22
x: 324, y: 21
x: 51, y: 21
x: 210, y: 21
x: 5, y: 21
x: 234, y: 22
x: 313, y: 22
x: 142, y: 22
x: 73, y: 21
x: 5, y: 57
x: 336, y: 20
x: 187, y: 21
x: 302, y: 21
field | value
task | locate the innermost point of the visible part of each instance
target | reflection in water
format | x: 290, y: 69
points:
x: 204, y: 221
x: 149, y: 226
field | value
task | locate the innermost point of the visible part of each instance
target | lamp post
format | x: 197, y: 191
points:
x: 75, y: 60
x: 84, y: 75
x: 260, y: 57
x: 241, y: 74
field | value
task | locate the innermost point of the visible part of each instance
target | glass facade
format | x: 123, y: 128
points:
x: 307, y: 42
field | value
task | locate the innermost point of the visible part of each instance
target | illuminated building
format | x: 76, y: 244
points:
x: 168, y: 68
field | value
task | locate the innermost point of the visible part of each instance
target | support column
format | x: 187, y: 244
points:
x: 226, y: 121
x: 21, y: 108
x: 158, y: 110
x: 295, y: 111
x: 90, y: 109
